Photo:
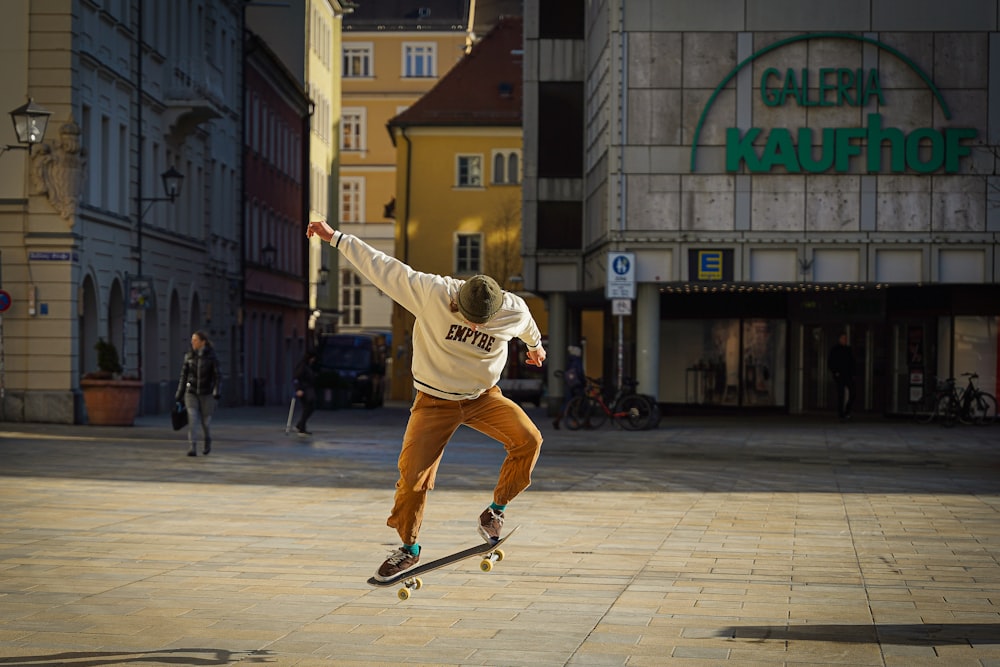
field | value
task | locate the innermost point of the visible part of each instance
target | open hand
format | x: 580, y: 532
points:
x: 319, y: 228
x: 536, y: 357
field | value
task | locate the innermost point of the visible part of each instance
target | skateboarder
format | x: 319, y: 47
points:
x: 460, y: 341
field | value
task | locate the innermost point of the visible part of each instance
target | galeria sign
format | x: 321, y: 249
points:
x: 820, y: 149
x: 838, y: 87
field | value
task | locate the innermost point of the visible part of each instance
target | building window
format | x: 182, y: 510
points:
x: 350, y: 297
x: 560, y: 126
x: 357, y: 60
x: 468, y: 253
x: 506, y: 167
x: 469, y: 171
x: 419, y: 59
x: 352, y: 133
x: 561, y: 19
x: 352, y: 199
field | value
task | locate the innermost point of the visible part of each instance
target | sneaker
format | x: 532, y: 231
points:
x: 490, y: 524
x: 398, y: 561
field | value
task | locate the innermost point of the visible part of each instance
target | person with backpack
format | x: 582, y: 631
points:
x: 573, y: 381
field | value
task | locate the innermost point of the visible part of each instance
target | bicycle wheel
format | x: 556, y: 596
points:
x: 657, y: 414
x: 949, y: 409
x: 635, y: 412
x: 983, y: 409
x: 597, y: 414
x: 965, y: 407
x: 926, y: 409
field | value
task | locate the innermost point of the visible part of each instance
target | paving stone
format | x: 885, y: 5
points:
x: 751, y: 541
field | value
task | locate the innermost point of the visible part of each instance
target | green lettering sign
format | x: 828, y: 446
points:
x: 924, y: 151
x: 836, y: 87
x: 882, y: 149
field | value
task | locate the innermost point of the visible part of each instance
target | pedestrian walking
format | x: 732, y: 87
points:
x: 840, y: 362
x: 305, y: 390
x: 198, y: 389
x: 459, y: 341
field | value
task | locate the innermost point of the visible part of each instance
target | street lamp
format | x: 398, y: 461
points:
x: 30, y: 122
x: 268, y: 254
x: 172, y: 182
x: 323, y: 274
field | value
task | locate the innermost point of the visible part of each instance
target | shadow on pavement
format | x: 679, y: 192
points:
x: 915, y: 634
x: 358, y: 449
x: 178, y: 656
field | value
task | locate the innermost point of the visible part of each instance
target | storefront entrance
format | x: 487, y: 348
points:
x: 872, y: 379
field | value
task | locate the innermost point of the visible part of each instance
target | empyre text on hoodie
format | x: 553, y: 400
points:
x: 462, y: 334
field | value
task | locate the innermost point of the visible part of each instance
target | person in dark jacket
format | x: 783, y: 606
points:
x: 199, y: 389
x: 840, y: 362
x: 573, y: 381
x: 305, y: 390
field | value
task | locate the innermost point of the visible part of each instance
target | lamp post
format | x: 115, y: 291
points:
x: 268, y: 255
x: 172, y: 180
x: 30, y: 123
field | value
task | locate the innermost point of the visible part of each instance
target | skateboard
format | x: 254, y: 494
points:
x: 411, y: 581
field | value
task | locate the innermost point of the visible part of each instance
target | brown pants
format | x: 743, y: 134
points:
x: 432, y: 423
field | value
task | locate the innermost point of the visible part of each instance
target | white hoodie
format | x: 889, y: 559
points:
x: 450, y: 360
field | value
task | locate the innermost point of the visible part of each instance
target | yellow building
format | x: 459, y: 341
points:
x: 391, y: 56
x: 458, y: 184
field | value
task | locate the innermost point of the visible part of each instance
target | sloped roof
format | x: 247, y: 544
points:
x: 483, y: 88
x: 488, y: 12
x: 407, y: 15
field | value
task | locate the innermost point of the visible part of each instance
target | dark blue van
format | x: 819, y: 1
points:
x: 351, y: 369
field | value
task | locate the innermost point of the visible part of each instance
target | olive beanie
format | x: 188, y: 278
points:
x: 479, y: 299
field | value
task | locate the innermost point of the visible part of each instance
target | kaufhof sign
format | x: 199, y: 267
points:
x: 882, y: 149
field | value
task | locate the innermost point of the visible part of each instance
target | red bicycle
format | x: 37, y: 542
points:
x: 629, y: 410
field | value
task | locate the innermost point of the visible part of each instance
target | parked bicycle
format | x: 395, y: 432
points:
x: 951, y: 404
x: 631, y: 411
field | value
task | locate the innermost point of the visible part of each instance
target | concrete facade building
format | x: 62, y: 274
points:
x: 730, y: 185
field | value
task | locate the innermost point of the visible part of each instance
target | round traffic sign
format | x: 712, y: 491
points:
x: 5, y: 301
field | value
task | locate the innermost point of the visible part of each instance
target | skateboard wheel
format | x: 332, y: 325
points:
x: 499, y: 554
x: 418, y: 583
x: 486, y: 565
x: 403, y: 594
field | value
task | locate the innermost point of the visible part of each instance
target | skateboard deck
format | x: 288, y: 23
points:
x: 410, y: 579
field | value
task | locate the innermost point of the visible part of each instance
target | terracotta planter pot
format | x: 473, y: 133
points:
x: 111, y: 402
